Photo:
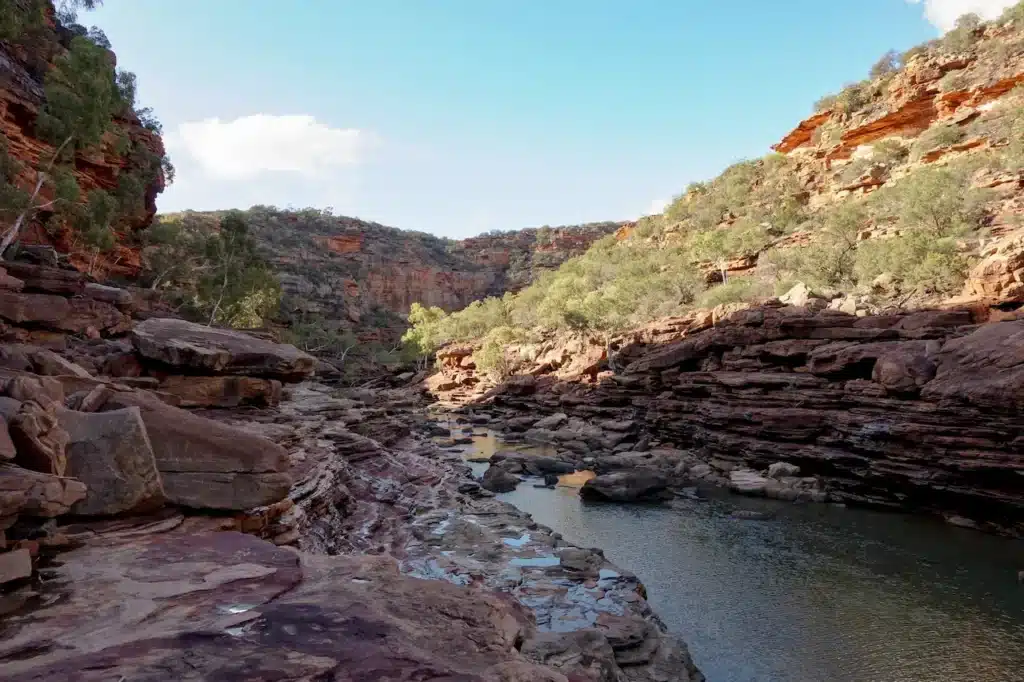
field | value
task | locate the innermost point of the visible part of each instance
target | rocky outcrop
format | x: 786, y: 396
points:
x: 636, y: 485
x: 189, y: 347
x: 146, y: 577
x: 999, y: 277
x: 205, y: 464
x: 918, y: 411
x: 362, y: 275
x: 22, y: 73
x: 256, y: 611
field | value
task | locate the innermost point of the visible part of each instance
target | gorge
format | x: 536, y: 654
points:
x: 773, y: 433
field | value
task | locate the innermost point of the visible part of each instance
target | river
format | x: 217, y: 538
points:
x: 819, y: 593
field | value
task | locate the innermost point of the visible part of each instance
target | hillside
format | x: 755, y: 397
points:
x: 357, y: 275
x: 901, y: 191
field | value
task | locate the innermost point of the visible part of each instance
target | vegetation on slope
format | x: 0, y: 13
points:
x: 211, y: 269
x: 84, y: 95
x: 924, y: 224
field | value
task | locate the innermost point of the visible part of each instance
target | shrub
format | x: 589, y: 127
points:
x: 954, y: 81
x: 736, y: 290
x: 937, y: 201
x: 825, y: 103
x: 963, y: 37
x: 493, y: 357
x: 853, y: 97
x: 889, y: 151
x: 888, y: 63
x: 909, y: 55
x: 936, y: 137
x: 915, y: 260
x: 854, y: 170
x: 1013, y: 13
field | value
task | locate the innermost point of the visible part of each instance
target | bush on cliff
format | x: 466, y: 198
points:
x: 83, y: 96
x: 214, y: 271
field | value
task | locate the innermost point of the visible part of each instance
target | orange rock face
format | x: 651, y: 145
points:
x: 366, y: 275
x: 21, y: 97
x: 344, y: 243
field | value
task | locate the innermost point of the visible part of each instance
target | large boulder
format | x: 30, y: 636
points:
x: 205, y: 464
x: 36, y: 494
x: 637, y: 485
x: 499, y: 480
x: 41, y: 442
x: 197, y: 349
x: 111, y: 453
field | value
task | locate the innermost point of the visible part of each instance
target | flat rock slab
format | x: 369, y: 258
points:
x: 230, y: 607
x: 195, y: 348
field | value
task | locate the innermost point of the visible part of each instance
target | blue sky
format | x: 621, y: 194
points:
x: 460, y: 116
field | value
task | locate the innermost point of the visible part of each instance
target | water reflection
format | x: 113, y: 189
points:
x: 817, y: 594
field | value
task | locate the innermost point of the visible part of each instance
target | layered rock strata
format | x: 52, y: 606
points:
x: 917, y: 411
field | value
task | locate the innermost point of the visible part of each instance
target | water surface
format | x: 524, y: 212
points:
x: 818, y: 594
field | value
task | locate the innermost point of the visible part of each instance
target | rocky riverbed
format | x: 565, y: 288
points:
x: 181, y: 502
x: 767, y: 590
x: 913, y: 411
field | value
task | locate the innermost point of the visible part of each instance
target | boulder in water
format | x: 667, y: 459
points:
x: 638, y: 485
x: 498, y: 480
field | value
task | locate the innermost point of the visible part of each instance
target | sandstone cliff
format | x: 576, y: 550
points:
x: 364, y: 276
x: 23, y: 69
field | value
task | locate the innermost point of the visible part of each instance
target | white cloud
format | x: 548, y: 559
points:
x: 254, y: 145
x: 944, y: 13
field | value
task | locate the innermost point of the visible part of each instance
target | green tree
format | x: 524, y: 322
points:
x: 236, y: 285
x: 426, y: 330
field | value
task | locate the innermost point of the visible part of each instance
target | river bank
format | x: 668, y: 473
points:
x: 815, y: 591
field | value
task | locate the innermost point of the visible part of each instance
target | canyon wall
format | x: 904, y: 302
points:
x: 22, y: 96
x: 366, y: 275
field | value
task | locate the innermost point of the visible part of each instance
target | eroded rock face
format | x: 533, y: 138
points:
x: 192, y: 347
x: 230, y: 391
x: 363, y: 275
x: 21, y: 96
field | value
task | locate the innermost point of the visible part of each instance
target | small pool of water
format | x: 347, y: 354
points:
x: 818, y: 594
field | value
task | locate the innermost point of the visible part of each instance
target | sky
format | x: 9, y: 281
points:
x: 457, y: 117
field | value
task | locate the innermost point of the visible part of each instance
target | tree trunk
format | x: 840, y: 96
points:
x: 12, y: 234
x: 608, y: 352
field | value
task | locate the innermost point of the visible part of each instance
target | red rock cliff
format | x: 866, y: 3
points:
x: 21, y: 97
